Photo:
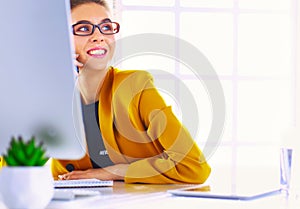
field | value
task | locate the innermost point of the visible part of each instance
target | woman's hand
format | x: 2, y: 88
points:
x: 115, y: 172
x: 76, y: 62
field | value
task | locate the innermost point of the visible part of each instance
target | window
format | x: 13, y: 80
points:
x: 252, y: 47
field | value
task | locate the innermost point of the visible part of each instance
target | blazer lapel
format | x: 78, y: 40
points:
x: 106, y: 118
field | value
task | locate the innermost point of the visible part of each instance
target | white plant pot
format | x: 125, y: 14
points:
x: 26, y: 187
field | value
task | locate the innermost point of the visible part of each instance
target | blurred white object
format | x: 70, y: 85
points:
x: 70, y: 194
x: 26, y: 187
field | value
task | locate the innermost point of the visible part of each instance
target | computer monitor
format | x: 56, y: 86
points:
x: 37, y: 82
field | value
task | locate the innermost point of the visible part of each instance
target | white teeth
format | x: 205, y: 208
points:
x: 97, y: 52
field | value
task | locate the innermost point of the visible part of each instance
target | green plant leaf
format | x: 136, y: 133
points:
x: 18, y: 151
x: 10, y: 160
x: 30, y: 146
x: 25, y: 154
x: 38, y: 153
x: 42, y: 161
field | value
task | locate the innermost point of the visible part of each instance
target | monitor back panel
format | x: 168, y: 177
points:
x: 37, y: 83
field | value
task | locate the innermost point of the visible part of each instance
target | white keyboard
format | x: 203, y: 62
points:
x: 81, y: 183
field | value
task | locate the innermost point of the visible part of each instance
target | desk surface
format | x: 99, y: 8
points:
x: 155, y: 196
x: 131, y: 196
x: 147, y: 196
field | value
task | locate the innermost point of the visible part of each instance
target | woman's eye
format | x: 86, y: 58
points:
x: 106, y: 27
x: 83, y: 29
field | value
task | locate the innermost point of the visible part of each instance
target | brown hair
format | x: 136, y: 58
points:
x: 75, y: 3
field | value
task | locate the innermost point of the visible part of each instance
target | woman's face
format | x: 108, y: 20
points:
x: 96, y: 50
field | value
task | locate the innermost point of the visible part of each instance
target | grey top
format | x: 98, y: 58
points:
x: 97, y: 151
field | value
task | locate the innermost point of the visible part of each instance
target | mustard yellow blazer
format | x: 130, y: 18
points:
x: 139, y: 129
x: 2, y: 162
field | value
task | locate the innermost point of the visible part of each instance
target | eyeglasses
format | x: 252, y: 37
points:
x: 85, y: 28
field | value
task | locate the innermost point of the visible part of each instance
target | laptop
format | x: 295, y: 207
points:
x: 207, y: 191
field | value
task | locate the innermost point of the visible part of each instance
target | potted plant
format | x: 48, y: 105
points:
x: 26, y: 182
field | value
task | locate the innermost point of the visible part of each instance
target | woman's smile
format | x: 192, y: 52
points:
x: 97, y: 52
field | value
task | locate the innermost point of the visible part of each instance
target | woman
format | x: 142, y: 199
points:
x: 131, y: 134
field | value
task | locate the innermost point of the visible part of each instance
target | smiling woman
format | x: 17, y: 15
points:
x: 131, y: 133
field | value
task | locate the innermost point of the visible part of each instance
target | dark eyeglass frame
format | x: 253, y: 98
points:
x: 117, y: 29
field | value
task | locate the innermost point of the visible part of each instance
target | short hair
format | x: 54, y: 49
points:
x: 75, y: 3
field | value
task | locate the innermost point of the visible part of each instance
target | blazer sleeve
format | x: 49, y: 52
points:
x: 2, y: 162
x: 180, y: 160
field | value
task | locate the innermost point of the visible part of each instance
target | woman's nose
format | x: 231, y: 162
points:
x: 97, y: 36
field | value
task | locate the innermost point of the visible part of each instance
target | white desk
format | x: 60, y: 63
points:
x: 130, y: 196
